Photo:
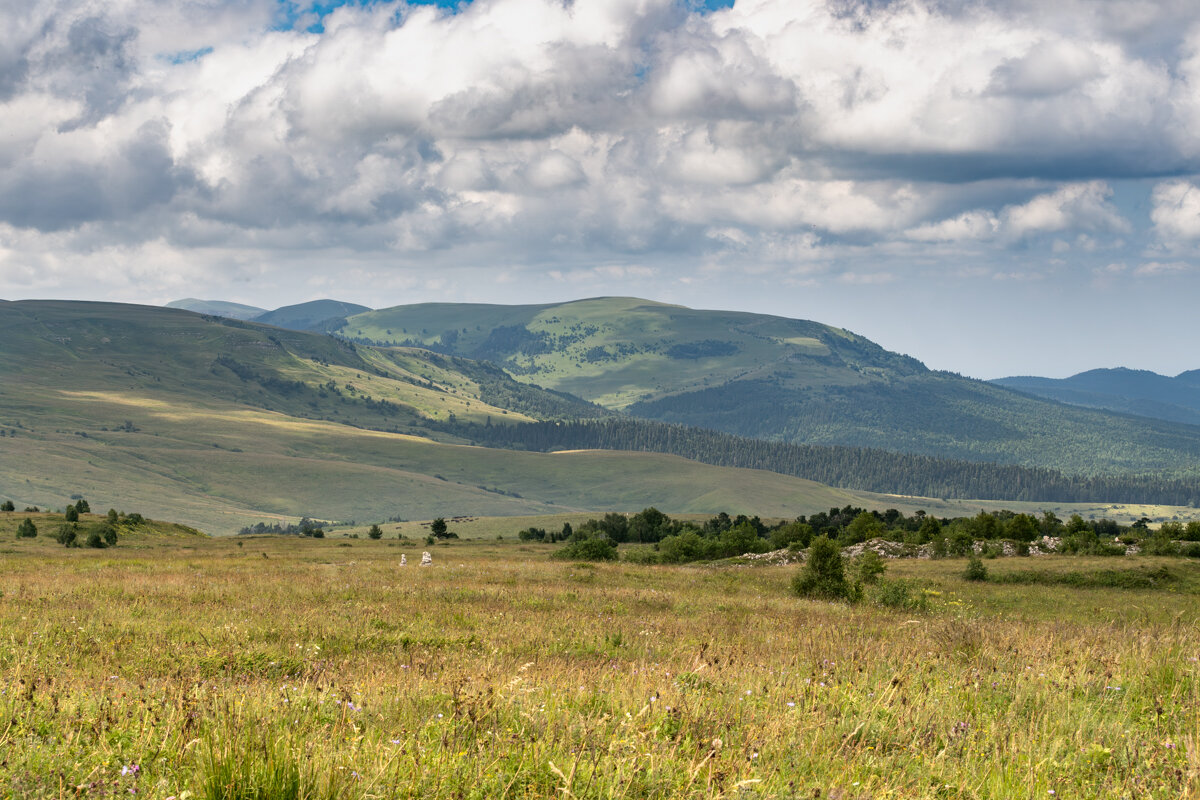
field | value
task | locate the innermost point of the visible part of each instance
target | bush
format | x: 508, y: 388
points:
x: 975, y: 570
x: 26, y: 530
x: 66, y: 535
x: 109, y: 533
x: 71, y: 514
x: 375, y: 532
x: 95, y: 539
x: 600, y: 548
x: 7, y: 505
x: 823, y: 574
x: 902, y: 595
x: 870, y: 567
x: 1159, y: 543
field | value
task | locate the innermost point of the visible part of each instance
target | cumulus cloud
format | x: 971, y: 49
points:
x: 528, y: 133
x: 1176, y: 211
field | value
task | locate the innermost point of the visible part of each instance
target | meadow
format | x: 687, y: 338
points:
x: 269, y: 667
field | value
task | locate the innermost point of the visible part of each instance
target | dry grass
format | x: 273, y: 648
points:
x: 271, y: 667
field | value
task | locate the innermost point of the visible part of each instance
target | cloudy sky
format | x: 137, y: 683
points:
x: 993, y: 186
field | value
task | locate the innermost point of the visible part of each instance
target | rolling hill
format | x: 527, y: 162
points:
x: 219, y: 423
x: 310, y: 316
x: 219, y: 308
x: 1129, y: 391
x: 782, y: 379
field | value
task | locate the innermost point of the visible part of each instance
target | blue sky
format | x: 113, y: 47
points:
x: 995, y: 187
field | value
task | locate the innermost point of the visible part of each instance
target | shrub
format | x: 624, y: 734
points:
x: 71, y: 514
x: 975, y: 570
x: 823, y: 574
x: 95, y: 539
x: 26, y: 530
x: 902, y: 595
x: 1159, y: 543
x: 66, y: 535
x: 109, y: 533
x: 375, y: 532
x: 7, y: 505
x: 870, y: 567
x: 600, y: 548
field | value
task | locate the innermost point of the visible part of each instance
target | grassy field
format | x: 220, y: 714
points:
x: 185, y: 667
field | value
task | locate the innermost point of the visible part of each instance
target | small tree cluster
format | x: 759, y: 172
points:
x: 27, y: 530
x: 823, y: 576
x: 8, y: 505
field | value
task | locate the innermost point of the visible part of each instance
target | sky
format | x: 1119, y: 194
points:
x: 996, y: 187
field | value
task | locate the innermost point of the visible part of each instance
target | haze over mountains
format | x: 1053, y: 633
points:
x: 1130, y: 391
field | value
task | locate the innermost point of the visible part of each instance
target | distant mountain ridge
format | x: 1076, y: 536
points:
x: 315, y: 315
x: 1128, y: 391
x: 218, y: 308
x: 776, y: 378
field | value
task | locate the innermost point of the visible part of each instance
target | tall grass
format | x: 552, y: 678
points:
x: 327, y: 672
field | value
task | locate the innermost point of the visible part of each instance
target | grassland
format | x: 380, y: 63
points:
x: 783, y: 379
x: 185, y: 667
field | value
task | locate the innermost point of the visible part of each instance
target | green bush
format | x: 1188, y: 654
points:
x: 375, y: 532
x: 67, y: 534
x: 27, y: 530
x: 870, y: 566
x: 95, y: 539
x: 600, y: 548
x: 975, y: 570
x: 8, y: 505
x: 823, y: 575
x: 902, y: 595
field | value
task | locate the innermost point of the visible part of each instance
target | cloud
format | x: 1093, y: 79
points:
x: 533, y: 134
x: 1076, y: 206
x: 1176, y: 211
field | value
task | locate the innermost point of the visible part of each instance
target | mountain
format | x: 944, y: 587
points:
x: 309, y: 316
x: 1129, y: 391
x: 777, y: 378
x: 221, y: 423
x: 217, y: 308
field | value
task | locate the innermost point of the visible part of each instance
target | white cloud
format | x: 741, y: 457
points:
x: 1176, y: 212
x: 1075, y: 206
x: 522, y: 133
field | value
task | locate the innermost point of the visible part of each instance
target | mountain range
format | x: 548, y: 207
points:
x: 1129, y: 391
x: 424, y: 410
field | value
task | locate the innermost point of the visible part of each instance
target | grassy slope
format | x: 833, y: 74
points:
x: 127, y: 406
x: 773, y: 377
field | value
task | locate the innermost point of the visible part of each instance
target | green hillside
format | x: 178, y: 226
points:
x: 220, y: 423
x: 789, y: 380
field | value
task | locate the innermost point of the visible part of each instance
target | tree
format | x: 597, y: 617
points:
x: 863, y: 527
x: 975, y: 570
x: 66, y: 535
x: 823, y: 575
x: 82, y: 506
x: 26, y: 530
x: 72, y: 514
x: 438, y: 527
x: 1023, y: 528
x: 8, y: 506
x: 375, y: 532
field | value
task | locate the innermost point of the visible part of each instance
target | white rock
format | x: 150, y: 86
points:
x: 426, y: 559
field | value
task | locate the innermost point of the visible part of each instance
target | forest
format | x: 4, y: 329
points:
x: 862, y: 468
